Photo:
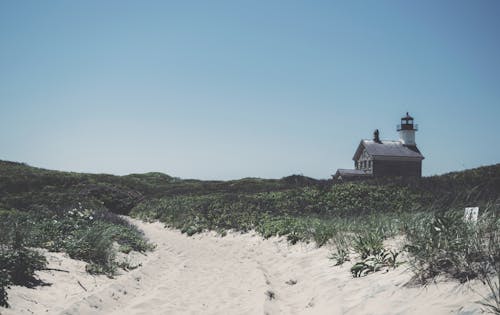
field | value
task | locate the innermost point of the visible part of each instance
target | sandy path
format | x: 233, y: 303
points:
x: 236, y: 274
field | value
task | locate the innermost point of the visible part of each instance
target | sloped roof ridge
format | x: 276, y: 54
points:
x: 388, y: 148
x: 382, y: 140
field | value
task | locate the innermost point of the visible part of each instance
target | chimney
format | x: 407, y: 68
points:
x: 376, y: 137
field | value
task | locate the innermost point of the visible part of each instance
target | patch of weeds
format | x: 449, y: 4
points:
x: 96, y: 269
x: 4, y: 285
x: 126, y: 249
x: 368, y: 244
x: 270, y: 295
x: 125, y: 265
x: 17, y: 263
x: 94, y: 245
x: 443, y: 244
x: 21, y: 264
x: 391, y: 259
x: 129, y: 239
x: 293, y: 238
x: 323, y: 232
x: 191, y: 230
x: 83, y: 233
x: 375, y: 263
x: 342, y: 249
x: 489, y: 271
x: 492, y: 303
x: 222, y: 233
x: 291, y: 282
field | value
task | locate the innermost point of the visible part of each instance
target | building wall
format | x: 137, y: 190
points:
x: 397, y: 168
x: 365, y: 162
x: 407, y: 137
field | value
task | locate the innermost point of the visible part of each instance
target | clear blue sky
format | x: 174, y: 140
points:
x: 231, y: 89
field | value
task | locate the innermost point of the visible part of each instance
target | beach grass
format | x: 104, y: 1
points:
x: 80, y: 214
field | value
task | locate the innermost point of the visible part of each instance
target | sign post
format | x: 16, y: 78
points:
x: 471, y: 214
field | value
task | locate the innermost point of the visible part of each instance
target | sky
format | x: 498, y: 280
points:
x: 233, y: 89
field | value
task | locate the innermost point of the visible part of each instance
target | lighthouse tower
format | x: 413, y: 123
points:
x: 407, y: 131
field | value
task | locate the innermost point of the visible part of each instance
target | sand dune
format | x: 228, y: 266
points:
x: 236, y: 274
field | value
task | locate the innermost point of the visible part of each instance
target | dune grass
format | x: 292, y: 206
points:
x: 82, y: 233
x: 77, y: 214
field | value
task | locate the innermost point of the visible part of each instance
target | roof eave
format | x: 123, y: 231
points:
x: 358, y: 151
x: 397, y: 157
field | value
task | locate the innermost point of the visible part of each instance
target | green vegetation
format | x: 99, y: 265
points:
x: 66, y: 212
x: 375, y: 262
x: 368, y: 244
x: 493, y: 304
x: 4, y: 285
x: 305, y: 213
x: 82, y: 233
x: 342, y: 245
x: 17, y: 263
x: 77, y: 213
x: 444, y: 244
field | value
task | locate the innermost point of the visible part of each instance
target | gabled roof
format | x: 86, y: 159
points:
x: 350, y: 172
x: 388, y: 148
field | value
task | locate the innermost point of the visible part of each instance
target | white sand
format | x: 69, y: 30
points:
x: 208, y: 274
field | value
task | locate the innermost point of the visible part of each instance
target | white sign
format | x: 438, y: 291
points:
x: 471, y: 214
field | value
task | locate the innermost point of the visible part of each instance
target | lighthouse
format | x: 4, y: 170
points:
x: 385, y: 158
x: 407, y: 131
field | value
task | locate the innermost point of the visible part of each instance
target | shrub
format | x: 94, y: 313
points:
x: 359, y: 198
x: 21, y: 264
x: 323, y: 232
x: 17, y: 263
x: 341, y: 251
x: 375, y: 263
x: 368, y: 244
x: 129, y: 238
x: 487, y: 244
x: 493, y: 303
x: 442, y: 243
x: 93, y: 245
x: 4, y: 285
x: 81, y: 232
